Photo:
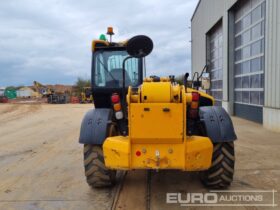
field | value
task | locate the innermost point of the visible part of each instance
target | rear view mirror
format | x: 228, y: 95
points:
x: 205, y: 81
x: 139, y: 46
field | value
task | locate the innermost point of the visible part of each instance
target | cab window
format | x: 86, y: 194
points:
x: 108, y: 69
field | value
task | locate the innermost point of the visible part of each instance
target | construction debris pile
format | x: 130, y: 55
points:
x: 39, y: 93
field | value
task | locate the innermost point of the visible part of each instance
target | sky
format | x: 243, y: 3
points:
x: 50, y: 40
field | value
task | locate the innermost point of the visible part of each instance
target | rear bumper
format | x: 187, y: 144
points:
x: 193, y: 154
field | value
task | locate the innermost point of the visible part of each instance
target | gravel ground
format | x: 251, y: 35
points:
x: 41, y: 161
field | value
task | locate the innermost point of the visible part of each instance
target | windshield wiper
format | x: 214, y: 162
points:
x: 107, y: 70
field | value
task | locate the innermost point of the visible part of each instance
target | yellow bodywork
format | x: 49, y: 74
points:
x: 84, y: 97
x: 157, y: 132
x: 101, y: 44
x: 150, y: 124
x: 192, y: 154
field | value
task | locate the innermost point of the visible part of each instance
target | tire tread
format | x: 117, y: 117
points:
x: 97, y: 174
x: 220, y: 174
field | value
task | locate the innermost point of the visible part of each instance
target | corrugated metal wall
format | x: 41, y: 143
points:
x: 24, y: 92
x: 272, y: 54
x: 208, y: 13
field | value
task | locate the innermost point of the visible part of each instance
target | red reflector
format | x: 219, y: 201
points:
x: 115, y: 98
x: 195, y: 96
x: 138, y: 153
x: 193, y: 113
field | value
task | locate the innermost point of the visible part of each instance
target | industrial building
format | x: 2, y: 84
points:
x: 239, y: 40
x: 26, y: 92
x: 2, y: 91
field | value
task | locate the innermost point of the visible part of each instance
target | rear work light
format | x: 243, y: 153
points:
x: 119, y: 115
x: 115, y: 98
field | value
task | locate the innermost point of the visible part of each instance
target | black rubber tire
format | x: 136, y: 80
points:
x: 97, y: 174
x: 220, y: 174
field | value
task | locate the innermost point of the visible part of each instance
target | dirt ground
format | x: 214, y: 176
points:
x: 41, y: 160
x: 42, y: 165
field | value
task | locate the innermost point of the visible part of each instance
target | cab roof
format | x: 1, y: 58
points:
x: 97, y: 44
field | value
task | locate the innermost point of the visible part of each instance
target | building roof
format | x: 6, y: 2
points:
x: 195, y: 9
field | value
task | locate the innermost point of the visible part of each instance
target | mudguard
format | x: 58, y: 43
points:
x: 217, y: 123
x: 94, y: 126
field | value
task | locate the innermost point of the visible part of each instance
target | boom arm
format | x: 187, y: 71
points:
x: 42, y: 89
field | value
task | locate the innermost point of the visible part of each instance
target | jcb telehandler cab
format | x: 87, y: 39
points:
x: 151, y: 123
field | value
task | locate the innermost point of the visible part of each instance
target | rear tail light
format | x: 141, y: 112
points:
x: 194, y: 105
x: 115, y: 98
x: 117, y: 107
x: 193, y: 112
x: 195, y: 96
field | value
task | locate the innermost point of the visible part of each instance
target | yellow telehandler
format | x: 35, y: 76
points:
x: 151, y: 123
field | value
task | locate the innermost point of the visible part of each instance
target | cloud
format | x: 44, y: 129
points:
x: 49, y: 41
